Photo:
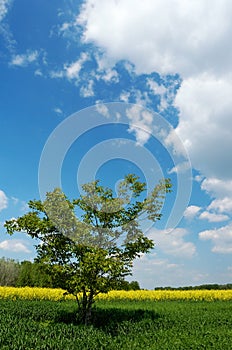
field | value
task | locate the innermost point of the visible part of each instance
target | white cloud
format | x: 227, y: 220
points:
x: 191, y: 38
x: 58, y: 110
x: 180, y: 168
x: 166, y: 96
x: 110, y: 76
x: 140, y: 123
x: 173, y: 141
x: 153, y: 271
x: 105, y: 70
x: 155, y: 87
x: 223, y: 205
x: 172, y: 242
x: 217, y: 187
x: 102, y: 109
x: 165, y: 36
x: 4, y: 5
x: 38, y: 73
x: 191, y: 211
x: 221, y: 239
x: 3, y: 200
x: 72, y: 71
x: 57, y: 74
x: 205, y: 125
x: 14, y: 246
x: 87, y: 89
x: 213, y: 217
x: 125, y: 95
x: 24, y: 60
x: 64, y: 26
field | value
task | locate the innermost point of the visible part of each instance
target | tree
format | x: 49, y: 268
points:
x: 89, y: 244
x: 33, y: 274
x: 125, y: 285
x: 9, y: 271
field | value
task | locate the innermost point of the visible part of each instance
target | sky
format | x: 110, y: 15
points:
x: 98, y: 89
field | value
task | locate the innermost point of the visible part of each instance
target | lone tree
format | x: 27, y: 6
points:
x: 89, y: 244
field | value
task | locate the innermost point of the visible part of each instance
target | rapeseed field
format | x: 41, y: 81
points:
x: 34, y: 293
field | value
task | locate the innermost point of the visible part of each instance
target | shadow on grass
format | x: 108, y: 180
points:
x: 109, y: 319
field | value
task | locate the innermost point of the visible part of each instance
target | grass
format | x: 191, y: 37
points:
x: 127, y: 325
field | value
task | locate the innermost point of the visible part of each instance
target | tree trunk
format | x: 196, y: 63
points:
x: 85, y: 307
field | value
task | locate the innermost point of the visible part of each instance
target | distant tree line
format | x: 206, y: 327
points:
x: 213, y: 286
x: 22, y: 274
x: 34, y: 274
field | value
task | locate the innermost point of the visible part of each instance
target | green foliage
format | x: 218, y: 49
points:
x: 91, y: 253
x: 38, y: 325
x: 9, y: 271
x: 125, y: 285
x: 25, y: 273
x: 214, y: 286
x: 33, y: 275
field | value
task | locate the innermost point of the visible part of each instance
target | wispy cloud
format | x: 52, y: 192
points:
x: 172, y: 242
x: 180, y: 168
x: 102, y: 109
x: 73, y: 70
x: 3, y: 200
x: 58, y: 111
x: 4, y: 6
x: 87, y: 89
x: 140, y: 123
x: 23, y: 60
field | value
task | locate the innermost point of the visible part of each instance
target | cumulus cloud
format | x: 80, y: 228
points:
x: 165, y: 36
x: 3, y: 200
x: 223, y: 205
x: 191, y: 211
x: 172, y: 242
x: 221, y: 239
x: 213, y: 217
x: 176, y: 37
x: 205, y: 124
x: 217, y: 187
x: 14, y: 246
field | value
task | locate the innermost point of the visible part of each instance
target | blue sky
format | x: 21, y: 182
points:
x: 98, y: 89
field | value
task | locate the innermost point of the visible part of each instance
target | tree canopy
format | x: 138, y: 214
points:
x: 89, y: 244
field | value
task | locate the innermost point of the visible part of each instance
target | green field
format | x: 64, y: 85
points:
x: 27, y: 325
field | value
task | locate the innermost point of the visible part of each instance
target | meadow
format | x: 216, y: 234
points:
x: 41, y: 318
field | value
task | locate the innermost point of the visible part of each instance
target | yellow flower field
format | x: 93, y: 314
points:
x: 34, y: 293
x: 155, y: 295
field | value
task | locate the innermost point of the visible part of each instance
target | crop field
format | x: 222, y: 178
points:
x: 121, y: 320
x: 29, y: 293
